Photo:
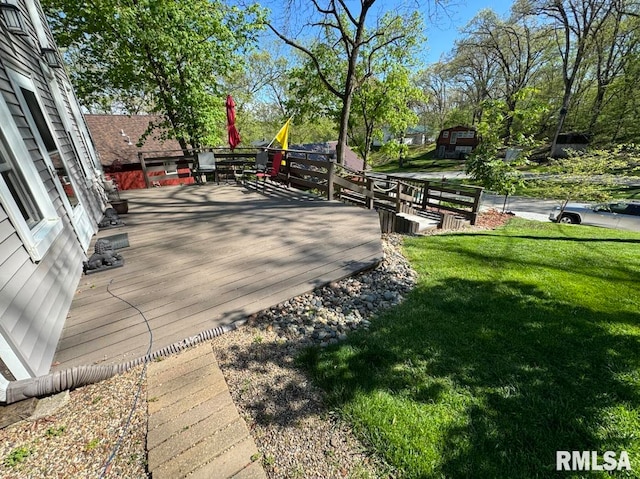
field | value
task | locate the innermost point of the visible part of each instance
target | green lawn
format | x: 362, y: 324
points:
x: 516, y: 343
x: 420, y: 159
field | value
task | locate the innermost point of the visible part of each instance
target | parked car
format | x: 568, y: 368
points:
x: 619, y: 214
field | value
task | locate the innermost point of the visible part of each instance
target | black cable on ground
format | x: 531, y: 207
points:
x: 107, y: 465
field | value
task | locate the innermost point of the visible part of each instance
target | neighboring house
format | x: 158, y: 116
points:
x: 51, y: 193
x: 415, y: 136
x: 116, y: 138
x: 456, y: 142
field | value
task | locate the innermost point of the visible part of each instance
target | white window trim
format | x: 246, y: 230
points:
x: 77, y: 213
x: 20, y: 81
x: 36, y: 240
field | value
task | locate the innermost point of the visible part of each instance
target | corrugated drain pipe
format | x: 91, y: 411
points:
x: 81, y: 376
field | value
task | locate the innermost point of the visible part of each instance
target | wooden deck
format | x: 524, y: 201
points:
x: 203, y: 256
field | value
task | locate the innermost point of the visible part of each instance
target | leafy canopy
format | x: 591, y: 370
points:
x: 172, y: 54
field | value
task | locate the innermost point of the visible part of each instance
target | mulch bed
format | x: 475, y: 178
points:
x: 492, y: 219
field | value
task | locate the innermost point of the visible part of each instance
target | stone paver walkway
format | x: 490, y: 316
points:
x: 194, y: 428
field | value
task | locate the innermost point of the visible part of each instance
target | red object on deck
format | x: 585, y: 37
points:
x: 234, y: 136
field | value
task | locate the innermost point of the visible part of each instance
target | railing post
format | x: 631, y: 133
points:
x: 398, y: 192
x: 287, y: 165
x: 330, y: 187
x: 476, y: 206
x: 369, y: 199
x: 425, y: 195
x: 144, y: 170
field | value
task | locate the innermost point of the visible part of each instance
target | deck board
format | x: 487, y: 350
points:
x: 204, y: 256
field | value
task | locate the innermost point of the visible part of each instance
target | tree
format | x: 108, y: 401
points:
x: 613, y: 50
x: 384, y: 103
x: 515, y: 47
x: 586, y: 175
x: 175, y: 54
x: 484, y: 164
x: 345, y: 38
x: 435, y: 83
x: 474, y: 72
x: 577, y: 23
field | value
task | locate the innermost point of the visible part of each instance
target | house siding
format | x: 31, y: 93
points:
x: 35, y: 295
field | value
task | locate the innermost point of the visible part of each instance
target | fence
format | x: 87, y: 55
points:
x: 315, y: 172
x: 169, y: 165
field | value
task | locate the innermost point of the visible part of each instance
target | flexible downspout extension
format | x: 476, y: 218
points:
x: 81, y: 376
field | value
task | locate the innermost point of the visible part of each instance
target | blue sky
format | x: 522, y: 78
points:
x: 440, y: 35
x: 440, y: 38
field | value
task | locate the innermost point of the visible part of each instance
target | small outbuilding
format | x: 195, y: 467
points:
x: 117, y: 137
x: 456, y: 142
x: 574, y: 141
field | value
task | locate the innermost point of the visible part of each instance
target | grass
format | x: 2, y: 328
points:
x: 418, y: 159
x: 516, y: 343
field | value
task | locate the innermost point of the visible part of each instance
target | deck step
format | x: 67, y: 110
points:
x: 424, y: 223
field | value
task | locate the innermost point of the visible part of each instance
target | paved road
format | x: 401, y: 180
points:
x: 530, y: 208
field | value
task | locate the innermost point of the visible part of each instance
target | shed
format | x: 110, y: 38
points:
x: 575, y: 141
x: 456, y: 142
x: 116, y: 138
x: 51, y: 194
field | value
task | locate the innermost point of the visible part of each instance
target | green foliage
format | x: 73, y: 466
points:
x: 386, y: 102
x: 17, y: 456
x: 55, y: 431
x: 352, y: 54
x: 92, y: 444
x: 395, y: 149
x: 172, y: 54
x: 484, y: 165
x: 589, y: 175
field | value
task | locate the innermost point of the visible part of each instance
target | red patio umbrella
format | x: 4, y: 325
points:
x: 234, y: 136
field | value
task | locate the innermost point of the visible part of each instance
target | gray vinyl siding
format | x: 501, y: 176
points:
x: 35, y: 296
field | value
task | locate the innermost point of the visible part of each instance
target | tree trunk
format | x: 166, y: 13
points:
x: 561, y: 118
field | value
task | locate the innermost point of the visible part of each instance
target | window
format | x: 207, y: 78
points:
x: 464, y: 149
x: 466, y: 134
x: 43, y: 130
x: 15, y: 184
x: 22, y: 193
x: 445, y: 134
x: 633, y: 209
x: 170, y: 168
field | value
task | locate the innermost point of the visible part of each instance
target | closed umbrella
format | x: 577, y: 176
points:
x: 234, y: 136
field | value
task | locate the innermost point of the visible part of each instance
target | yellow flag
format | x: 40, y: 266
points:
x: 283, y: 135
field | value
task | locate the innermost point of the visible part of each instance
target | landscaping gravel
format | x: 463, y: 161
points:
x: 76, y: 440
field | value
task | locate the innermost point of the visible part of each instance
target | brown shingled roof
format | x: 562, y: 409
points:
x: 106, y: 131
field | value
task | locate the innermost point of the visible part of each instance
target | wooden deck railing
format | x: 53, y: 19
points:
x: 314, y: 171
x: 165, y: 165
